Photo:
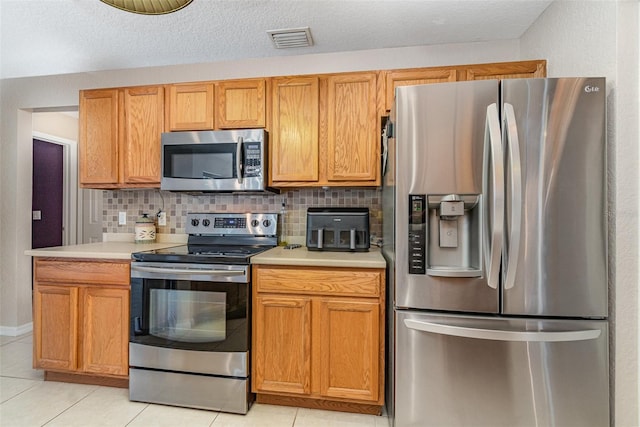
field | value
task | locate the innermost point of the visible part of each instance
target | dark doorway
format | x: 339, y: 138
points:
x: 47, y: 200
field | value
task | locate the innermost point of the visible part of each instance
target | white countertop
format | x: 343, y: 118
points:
x: 304, y: 257
x: 116, y: 247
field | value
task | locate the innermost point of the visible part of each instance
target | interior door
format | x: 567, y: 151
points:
x: 47, y: 197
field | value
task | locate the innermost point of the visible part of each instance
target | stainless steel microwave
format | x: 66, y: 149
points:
x: 215, y: 161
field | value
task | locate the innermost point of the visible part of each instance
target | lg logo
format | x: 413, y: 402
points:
x: 590, y: 89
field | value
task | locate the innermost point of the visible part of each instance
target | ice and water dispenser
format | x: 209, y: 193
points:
x: 445, y: 235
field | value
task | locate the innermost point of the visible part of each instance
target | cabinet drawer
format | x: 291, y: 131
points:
x: 309, y: 280
x: 79, y: 271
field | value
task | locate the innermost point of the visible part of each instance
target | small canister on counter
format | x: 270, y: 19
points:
x: 145, y: 229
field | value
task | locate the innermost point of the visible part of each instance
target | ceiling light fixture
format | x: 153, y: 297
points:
x: 291, y: 37
x: 148, y: 7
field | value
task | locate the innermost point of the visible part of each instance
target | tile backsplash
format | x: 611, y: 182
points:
x: 293, y: 223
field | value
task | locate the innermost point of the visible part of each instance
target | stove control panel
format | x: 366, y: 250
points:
x: 237, y: 224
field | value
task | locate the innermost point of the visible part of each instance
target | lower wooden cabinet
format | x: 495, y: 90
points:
x: 81, y: 318
x: 318, y: 337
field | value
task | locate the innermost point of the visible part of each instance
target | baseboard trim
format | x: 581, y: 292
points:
x: 14, y: 331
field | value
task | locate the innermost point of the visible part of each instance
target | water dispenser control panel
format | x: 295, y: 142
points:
x: 417, y: 233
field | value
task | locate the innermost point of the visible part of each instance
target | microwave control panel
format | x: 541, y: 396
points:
x: 252, y: 159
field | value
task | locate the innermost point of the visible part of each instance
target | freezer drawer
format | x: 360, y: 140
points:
x: 481, y: 371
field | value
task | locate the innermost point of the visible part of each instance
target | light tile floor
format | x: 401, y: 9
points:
x: 27, y: 400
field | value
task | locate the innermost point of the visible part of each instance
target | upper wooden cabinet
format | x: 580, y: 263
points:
x: 504, y: 70
x: 324, y: 131
x: 190, y: 106
x: 99, y: 137
x: 415, y: 76
x: 228, y: 104
x: 294, y: 131
x: 241, y: 104
x: 120, y: 137
x: 144, y: 123
x: 498, y: 70
x: 352, y: 138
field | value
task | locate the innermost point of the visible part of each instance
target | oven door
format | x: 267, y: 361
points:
x: 197, y: 307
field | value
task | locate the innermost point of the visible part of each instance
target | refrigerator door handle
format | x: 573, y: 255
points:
x: 513, y: 147
x: 385, y: 146
x: 493, y: 237
x: 501, y: 335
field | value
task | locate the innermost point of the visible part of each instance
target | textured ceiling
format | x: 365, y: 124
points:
x: 46, y: 37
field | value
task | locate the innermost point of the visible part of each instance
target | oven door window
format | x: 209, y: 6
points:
x: 200, y: 161
x: 190, y: 314
x: 187, y: 316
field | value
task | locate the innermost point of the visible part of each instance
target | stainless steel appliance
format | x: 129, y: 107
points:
x: 495, y: 233
x: 338, y: 229
x: 190, y: 329
x: 215, y: 161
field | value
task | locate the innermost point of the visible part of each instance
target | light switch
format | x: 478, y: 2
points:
x: 36, y: 215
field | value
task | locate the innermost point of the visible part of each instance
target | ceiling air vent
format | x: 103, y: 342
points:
x: 290, y: 38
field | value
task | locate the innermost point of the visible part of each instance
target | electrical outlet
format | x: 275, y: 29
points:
x: 162, y: 218
x: 122, y: 218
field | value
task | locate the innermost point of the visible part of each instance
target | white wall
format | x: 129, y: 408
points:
x: 600, y: 38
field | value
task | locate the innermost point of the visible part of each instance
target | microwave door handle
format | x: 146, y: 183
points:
x: 240, y: 160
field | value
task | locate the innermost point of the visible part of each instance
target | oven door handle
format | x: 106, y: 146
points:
x: 187, y: 271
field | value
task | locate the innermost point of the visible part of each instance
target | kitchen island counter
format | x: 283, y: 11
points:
x: 303, y: 257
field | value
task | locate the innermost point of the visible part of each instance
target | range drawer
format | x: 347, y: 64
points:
x: 82, y: 271
x: 318, y: 281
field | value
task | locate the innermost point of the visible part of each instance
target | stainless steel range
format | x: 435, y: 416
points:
x: 190, y: 331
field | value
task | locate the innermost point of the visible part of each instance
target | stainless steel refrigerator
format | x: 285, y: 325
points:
x: 495, y: 234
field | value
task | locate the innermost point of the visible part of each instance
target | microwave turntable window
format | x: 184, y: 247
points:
x: 201, y: 161
x: 202, y: 166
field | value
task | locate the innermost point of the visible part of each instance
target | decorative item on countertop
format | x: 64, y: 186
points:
x: 145, y: 229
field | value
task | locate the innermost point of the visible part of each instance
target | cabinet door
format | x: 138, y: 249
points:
x: 190, y: 107
x: 505, y: 70
x: 294, y: 137
x: 353, y: 139
x: 241, y: 104
x: 282, y: 344
x: 144, y: 123
x: 98, y: 139
x: 413, y: 77
x: 349, y: 349
x: 55, y: 327
x: 105, y: 330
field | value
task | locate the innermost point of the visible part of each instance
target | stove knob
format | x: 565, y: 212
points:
x: 195, y: 222
x: 255, y: 223
x: 206, y: 222
x: 266, y: 223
